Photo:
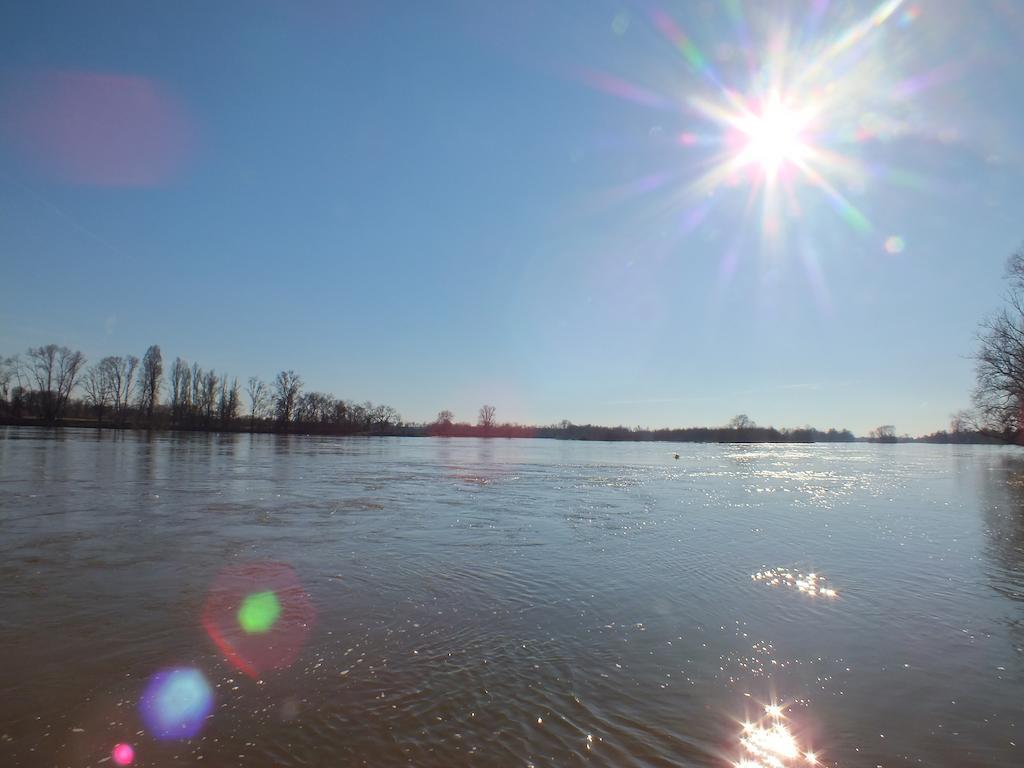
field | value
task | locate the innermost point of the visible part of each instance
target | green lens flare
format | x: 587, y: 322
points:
x: 259, y: 612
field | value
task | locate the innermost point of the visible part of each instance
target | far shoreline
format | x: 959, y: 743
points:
x: 579, y: 433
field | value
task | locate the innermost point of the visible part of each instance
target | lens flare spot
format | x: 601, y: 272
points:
x: 910, y: 15
x: 259, y: 616
x: 123, y: 754
x: 620, y: 24
x: 176, y: 703
x: 97, y: 129
x: 894, y: 244
x: 259, y: 612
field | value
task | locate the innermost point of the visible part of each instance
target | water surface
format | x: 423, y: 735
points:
x: 512, y: 602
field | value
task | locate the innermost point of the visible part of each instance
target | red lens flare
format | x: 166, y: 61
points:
x: 259, y: 616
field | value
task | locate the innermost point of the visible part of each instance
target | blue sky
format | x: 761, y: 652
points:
x: 551, y: 207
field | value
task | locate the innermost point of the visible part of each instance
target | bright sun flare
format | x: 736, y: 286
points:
x: 773, y: 138
x: 779, y: 110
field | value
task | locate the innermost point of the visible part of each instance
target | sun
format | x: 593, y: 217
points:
x: 778, y: 112
x: 772, y: 140
x: 772, y: 137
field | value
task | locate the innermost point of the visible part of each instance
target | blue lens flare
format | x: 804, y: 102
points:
x: 176, y: 703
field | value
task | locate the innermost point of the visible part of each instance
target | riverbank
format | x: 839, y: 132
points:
x: 586, y: 432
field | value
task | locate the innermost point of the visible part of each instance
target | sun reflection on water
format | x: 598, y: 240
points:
x: 811, y: 584
x: 770, y: 743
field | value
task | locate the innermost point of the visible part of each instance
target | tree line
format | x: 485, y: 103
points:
x: 740, y: 429
x: 53, y: 385
x: 40, y: 387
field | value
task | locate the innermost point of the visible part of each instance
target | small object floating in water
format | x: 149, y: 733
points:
x: 675, y: 455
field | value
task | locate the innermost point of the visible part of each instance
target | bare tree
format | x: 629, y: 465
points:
x: 234, y: 399
x: 196, y: 397
x: 486, y: 417
x: 287, y: 386
x: 443, y: 424
x: 886, y: 433
x: 70, y: 368
x: 383, y: 416
x: 209, y: 395
x: 999, y: 386
x: 150, y: 377
x: 227, y: 406
x: 961, y: 421
x: 222, y: 402
x: 96, y: 385
x: 258, y: 397
x: 131, y: 364
x: 42, y: 365
x: 55, y: 371
x: 313, y: 408
x: 305, y: 408
x: 358, y: 414
x: 119, y: 373
x: 340, y: 414
x: 181, y: 385
x: 741, y: 422
x: 9, y: 369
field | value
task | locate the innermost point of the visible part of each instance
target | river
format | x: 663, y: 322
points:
x: 195, y: 599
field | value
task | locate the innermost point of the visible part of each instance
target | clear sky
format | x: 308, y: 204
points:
x: 646, y: 213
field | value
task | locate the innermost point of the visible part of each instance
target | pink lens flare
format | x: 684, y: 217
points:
x: 123, y: 754
x: 97, y: 129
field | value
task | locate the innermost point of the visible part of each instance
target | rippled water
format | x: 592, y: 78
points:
x: 470, y: 602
